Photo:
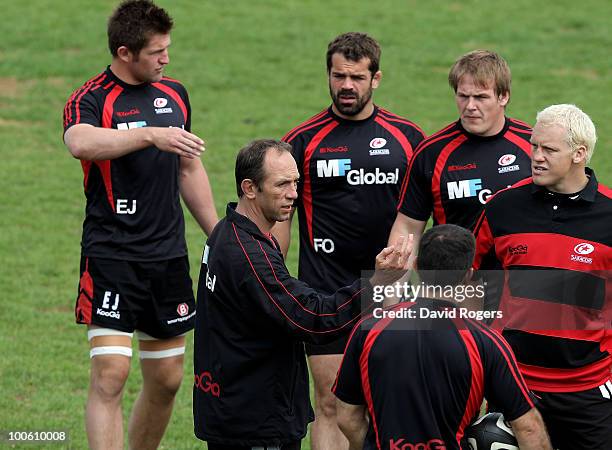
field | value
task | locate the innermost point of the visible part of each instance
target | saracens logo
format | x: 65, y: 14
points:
x: 584, y: 248
x: 182, y: 309
x: 378, y: 142
x: 160, y: 102
x: 505, y: 162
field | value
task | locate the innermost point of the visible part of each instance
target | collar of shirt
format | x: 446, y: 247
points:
x: 587, y: 194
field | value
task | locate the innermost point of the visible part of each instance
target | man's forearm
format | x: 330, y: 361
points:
x: 91, y: 143
x: 197, y: 194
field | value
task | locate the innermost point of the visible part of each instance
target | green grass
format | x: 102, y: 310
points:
x: 253, y: 69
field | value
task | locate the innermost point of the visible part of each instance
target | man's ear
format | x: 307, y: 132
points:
x: 124, y: 54
x: 249, y: 188
x: 579, y: 155
x: 376, y: 79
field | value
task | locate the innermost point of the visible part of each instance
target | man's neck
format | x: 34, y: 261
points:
x: 246, y: 209
x: 573, y: 183
x: 120, y: 71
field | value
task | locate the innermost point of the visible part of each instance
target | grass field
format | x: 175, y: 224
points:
x: 253, y: 69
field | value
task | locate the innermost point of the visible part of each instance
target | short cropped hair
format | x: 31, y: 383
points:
x: 578, y: 126
x: 354, y: 47
x: 446, y: 253
x: 484, y: 67
x: 134, y: 22
x: 250, y: 161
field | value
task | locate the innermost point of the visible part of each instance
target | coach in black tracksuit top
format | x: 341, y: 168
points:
x: 251, y: 379
x: 553, y: 232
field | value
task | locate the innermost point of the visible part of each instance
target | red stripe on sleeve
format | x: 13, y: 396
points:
x: 105, y: 165
x: 307, y: 190
x: 301, y: 127
x: 604, y: 190
x: 420, y: 148
x: 365, y: 376
x: 401, y: 138
x: 508, y: 355
x: 477, y: 382
x: 175, y: 96
x: 519, y: 142
x: 484, y: 240
x: 436, y: 189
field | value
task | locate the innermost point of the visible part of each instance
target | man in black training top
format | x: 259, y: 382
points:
x: 421, y: 379
x: 353, y: 159
x: 454, y: 171
x: 251, y: 380
x: 130, y: 127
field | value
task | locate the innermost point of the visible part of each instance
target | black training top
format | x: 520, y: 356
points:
x: 423, y: 378
x: 453, y: 172
x: 351, y: 176
x: 133, y: 208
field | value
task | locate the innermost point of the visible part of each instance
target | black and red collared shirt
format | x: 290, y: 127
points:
x: 557, y: 253
x: 423, y: 379
x: 133, y: 209
x: 352, y: 172
x: 454, y: 172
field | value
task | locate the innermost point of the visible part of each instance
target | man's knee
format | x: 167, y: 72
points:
x: 108, y: 375
x: 164, y: 375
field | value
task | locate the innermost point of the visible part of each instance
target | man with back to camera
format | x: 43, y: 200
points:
x: 353, y: 158
x: 556, y: 248
x: 251, y: 381
x: 454, y: 171
x: 421, y: 379
x: 130, y: 127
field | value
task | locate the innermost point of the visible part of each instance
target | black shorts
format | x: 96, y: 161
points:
x: 332, y: 348
x: 578, y: 420
x: 153, y: 297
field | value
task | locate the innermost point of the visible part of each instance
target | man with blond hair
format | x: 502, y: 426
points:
x: 551, y: 233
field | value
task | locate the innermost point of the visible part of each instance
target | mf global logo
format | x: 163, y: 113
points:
x: 327, y: 168
x: 468, y: 188
x: 583, y: 249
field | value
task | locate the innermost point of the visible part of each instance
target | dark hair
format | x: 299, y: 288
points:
x: 354, y: 47
x: 250, y: 161
x: 133, y: 23
x: 484, y: 67
x: 446, y: 252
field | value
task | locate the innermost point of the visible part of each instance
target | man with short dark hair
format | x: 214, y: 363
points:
x: 556, y: 248
x: 454, y: 171
x: 353, y: 158
x: 130, y: 127
x: 251, y: 381
x: 421, y: 369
